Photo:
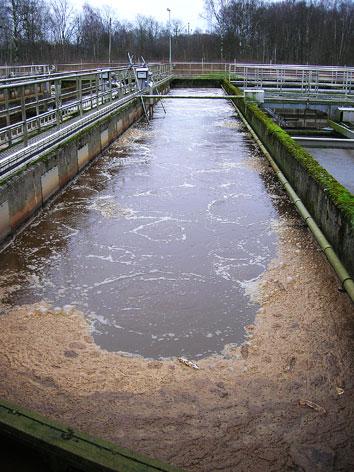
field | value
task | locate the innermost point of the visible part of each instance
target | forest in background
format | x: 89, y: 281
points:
x: 288, y: 31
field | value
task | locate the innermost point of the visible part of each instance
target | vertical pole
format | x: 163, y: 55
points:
x: 120, y: 80
x: 130, y: 82
x: 170, y: 35
x: 110, y: 41
x: 77, y: 90
x: 8, y: 120
x: 97, y: 91
x: 23, y: 113
x: 57, y: 85
x: 37, y: 107
x: 110, y: 85
x: 80, y: 96
x: 47, y: 94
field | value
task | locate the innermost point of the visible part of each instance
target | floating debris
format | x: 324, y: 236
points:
x: 188, y: 363
x: 339, y: 391
x: 291, y: 364
x: 312, y: 405
x: 109, y: 208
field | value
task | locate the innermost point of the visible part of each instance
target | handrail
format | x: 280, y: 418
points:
x: 34, y: 151
x: 105, y: 84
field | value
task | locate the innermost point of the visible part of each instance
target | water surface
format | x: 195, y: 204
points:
x: 338, y: 162
x: 159, y: 241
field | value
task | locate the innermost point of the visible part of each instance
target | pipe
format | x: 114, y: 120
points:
x: 342, y: 273
x: 199, y: 97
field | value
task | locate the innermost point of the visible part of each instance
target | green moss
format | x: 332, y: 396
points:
x: 197, y: 81
x: 211, y: 75
x: 52, y: 152
x: 340, y: 196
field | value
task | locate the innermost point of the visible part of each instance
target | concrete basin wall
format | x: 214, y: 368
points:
x: 22, y: 195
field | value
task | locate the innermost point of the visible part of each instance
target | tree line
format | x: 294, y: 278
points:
x: 289, y: 31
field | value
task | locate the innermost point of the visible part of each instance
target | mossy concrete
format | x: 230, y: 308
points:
x: 64, y: 450
x: 196, y: 82
x: 330, y: 204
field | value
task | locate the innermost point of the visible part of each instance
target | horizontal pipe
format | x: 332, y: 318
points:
x: 216, y: 97
x: 342, y: 273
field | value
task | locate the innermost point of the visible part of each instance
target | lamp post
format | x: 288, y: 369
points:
x: 109, y: 40
x: 169, y: 29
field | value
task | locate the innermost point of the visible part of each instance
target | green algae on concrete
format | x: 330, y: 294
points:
x: 68, y: 449
x: 329, y: 202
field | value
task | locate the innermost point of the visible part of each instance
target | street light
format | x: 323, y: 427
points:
x: 169, y: 29
x: 109, y: 40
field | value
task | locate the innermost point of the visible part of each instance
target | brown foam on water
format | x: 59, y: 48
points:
x: 112, y: 209
x: 54, y: 348
x: 241, y: 411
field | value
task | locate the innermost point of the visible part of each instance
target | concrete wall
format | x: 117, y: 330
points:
x: 21, y: 196
x: 337, y: 227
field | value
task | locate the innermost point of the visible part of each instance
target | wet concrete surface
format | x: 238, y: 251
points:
x: 160, y: 240
x: 338, y: 162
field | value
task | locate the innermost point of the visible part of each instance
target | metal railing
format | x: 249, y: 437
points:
x: 92, y: 89
x: 190, y: 69
x: 305, y: 78
x: 23, y: 70
x: 34, y: 151
x: 14, y: 133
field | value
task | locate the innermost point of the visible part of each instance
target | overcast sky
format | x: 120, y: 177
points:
x: 185, y: 10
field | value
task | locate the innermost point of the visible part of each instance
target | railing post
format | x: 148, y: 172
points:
x: 23, y: 113
x: 110, y: 85
x: 91, y: 95
x: 130, y: 82
x: 8, y: 120
x: 97, y: 91
x: 37, y: 108
x: 80, y: 95
x: 57, y: 86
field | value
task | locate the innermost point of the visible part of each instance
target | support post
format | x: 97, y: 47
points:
x: 57, y: 85
x: 97, y: 92
x: 8, y: 119
x: 110, y: 85
x: 37, y: 108
x: 80, y: 95
x: 23, y: 113
x: 91, y: 86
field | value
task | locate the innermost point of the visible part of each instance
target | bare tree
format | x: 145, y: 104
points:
x: 298, y: 31
x: 63, y: 23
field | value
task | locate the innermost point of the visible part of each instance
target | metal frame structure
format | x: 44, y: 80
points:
x: 70, y: 101
x: 24, y: 70
x: 13, y: 161
x: 30, y: 106
x: 280, y: 77
x: 303, y: 78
